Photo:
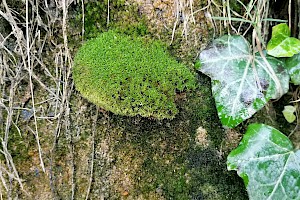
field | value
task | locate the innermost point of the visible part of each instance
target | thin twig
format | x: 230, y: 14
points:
x: 176, y: 21
x: 290, y: 14
x: 92, y: 155
x: 107, y: 21
x: 83, y: 18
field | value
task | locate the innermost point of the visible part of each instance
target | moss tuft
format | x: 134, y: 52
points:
x: 128, y: 76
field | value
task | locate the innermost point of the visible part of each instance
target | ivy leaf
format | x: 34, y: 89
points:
x: 293, y: 66
x: 288, y: 113
x: 281, y: 44
x: 242, y: 83
x: 268, y: 164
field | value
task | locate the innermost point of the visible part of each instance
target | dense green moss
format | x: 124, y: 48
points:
x: 128, y: 76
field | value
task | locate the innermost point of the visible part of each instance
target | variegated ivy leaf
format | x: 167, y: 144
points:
x: 242, y: 83
x: 281, y: 44
x: 293, y: 66
x: 268, y: 164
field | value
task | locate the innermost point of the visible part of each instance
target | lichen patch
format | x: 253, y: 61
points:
x: 201, y: 138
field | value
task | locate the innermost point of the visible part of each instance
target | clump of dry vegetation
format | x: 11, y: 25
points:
x: 35, y: 83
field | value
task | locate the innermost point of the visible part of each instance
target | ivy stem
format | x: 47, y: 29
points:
x: 270, y: 70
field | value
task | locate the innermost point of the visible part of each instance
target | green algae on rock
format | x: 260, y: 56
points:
x: 128, y: 76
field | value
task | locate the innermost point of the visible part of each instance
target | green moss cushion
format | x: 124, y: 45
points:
x: 127, y: 76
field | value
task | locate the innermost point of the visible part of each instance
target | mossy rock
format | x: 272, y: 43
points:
x: 130, y: 76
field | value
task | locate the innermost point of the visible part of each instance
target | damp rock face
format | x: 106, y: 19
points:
x: 128, y: 76
x: 157, y: 160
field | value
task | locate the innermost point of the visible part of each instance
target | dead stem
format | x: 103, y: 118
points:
x: 92, y: 155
